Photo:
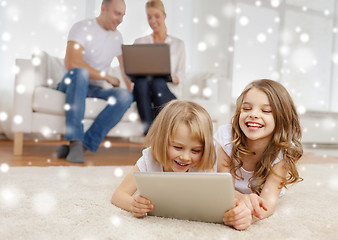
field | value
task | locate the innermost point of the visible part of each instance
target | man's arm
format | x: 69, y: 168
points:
x: 74, y: 59
x: 126, y: 79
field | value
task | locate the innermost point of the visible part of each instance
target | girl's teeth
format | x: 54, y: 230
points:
x: 181, y: 164
x: 254, y: 125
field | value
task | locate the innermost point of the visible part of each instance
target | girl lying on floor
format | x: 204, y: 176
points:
x: 260, y: 149
x: 180, y: 140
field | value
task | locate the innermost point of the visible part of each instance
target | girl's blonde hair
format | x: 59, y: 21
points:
x: 286, y: 136
x: 175, y: 113
x: 158, y: 4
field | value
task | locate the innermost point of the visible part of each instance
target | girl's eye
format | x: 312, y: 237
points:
x: 178, y: 148
x: 267, y: 111
x: 196, y: 151
x: 246, y: 109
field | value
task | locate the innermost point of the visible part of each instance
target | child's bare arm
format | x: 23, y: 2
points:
x: 263, y: 206
x: 223, y: 160
x: 253, y: 202
x: 272, y: 189
x: 123, y: 197
x: 239, y: 216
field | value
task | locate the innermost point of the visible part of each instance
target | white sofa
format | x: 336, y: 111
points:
x: 39, y: 108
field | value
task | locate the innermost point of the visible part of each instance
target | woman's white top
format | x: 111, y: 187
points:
x: 177, y: 59
x: 224, y: 138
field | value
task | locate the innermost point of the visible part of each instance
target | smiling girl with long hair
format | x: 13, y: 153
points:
x: 260, y: 149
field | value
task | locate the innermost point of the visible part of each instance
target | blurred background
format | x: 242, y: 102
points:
x: 236, y: 41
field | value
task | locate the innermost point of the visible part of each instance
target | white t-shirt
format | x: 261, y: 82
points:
x: 224, y: 138
x: 147, y: 163
x: 177, y: 59
x: 100, y: 46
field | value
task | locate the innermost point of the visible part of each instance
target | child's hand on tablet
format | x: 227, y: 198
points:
x: 140, y: 206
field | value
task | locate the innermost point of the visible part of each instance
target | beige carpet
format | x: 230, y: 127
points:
x: 74, y: 203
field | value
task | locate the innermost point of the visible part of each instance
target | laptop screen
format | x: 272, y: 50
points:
x: 146, y: 59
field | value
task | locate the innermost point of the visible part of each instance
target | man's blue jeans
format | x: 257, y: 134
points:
x: 75, y: 84
x: 150, y: 95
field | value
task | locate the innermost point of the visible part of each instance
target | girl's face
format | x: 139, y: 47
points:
x: 256, y: 119
x: 155, y: 19
x: 184, y: 152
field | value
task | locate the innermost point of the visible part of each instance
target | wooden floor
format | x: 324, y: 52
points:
x: 120, y: 153
x: 43, y: 154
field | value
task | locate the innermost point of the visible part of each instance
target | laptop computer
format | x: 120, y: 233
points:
x: 193, y: 196
x: 147, y: 60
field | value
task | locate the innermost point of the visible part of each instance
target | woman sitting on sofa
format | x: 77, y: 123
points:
x: 151, y: 93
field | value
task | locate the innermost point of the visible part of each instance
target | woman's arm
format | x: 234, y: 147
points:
x: 179, y: 74
x: 123, y: 197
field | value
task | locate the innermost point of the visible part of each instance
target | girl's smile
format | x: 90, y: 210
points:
x: 185, y: 152
x: 253, y: 125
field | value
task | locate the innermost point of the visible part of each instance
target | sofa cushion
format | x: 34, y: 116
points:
x: 50, y: 71
x: 51, y: 101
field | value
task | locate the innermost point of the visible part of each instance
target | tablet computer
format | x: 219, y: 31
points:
x: 147, y: 60
x: 193, y: 196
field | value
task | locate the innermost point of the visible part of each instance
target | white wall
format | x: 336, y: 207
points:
x: 217, y: 43
x: 256, y: 46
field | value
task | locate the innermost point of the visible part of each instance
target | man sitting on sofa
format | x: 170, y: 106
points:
x: 92, y: 45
